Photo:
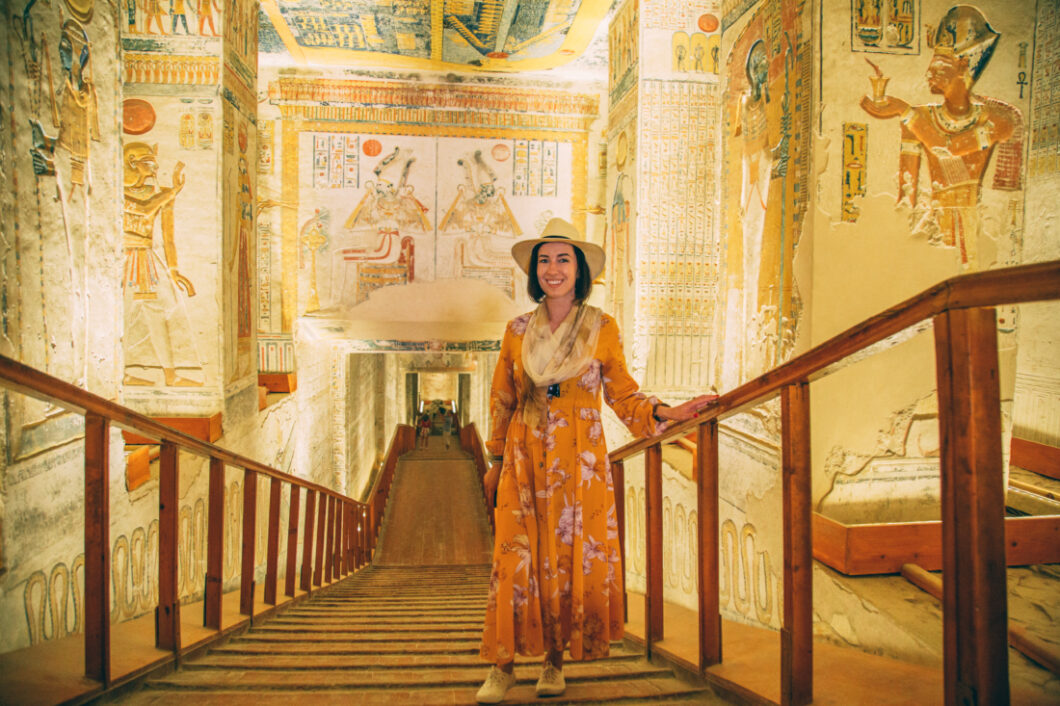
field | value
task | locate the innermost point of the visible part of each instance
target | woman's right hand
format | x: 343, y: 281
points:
x: 491, y: 480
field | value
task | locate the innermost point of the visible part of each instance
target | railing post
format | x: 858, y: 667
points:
x: 329, y: 542
x: 97, y: 548
x: 618, y: 479
x: 272, y: 551
x: 167, y: 615
x: 250, y: 526
x: 292, y: 542
x: 336, y: 567
x: 653, y: 598
x: 974, y: 606
x: 307, y: 540
x: 215, y: 541
x: 350, y: 526
x: 796, y: 633
x: 366, y: 548
x: 318, y: 566
x: 709, y: 596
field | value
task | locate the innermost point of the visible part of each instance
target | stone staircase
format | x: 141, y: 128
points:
x: 406, y: 635
x: 402, y: 633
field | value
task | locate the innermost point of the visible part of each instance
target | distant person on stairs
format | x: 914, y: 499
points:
x: 557, y: 574
x: 425, y: 431
x: 447, y: 427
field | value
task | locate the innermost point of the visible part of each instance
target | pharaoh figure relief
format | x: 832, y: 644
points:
x: 158, y: 334
x: 956, y: 137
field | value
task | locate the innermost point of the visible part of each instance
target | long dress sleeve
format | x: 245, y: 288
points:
x: 621, y: 391
x: 502, y: 395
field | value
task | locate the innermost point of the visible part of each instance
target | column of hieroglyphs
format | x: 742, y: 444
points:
x: 662, y: 187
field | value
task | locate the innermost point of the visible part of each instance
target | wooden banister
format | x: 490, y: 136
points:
x: 961, y: 311
x: 1010, y: 285
x: 100, y: 414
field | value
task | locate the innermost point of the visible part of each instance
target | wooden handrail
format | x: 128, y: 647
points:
x: 1009, y: 285
x: 34, y: 383
x: 962, y: 316
x: 403, y: 441
x: 471, y: 442
x: 348, y: 544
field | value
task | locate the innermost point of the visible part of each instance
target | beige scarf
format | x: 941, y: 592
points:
x: 550, y: 357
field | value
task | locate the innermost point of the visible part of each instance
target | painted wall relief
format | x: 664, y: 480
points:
x: 623, y: 54
x: 381, y: 210
x: 53, y: 598
x: 888, y: 26
x: 240, y: 243
x: 52, y: 119
x: 765, y: 191
x: 748, y: 582
x: 158, y: 334
x: 547, y: 33
x: 170, y: 17
x: 957, y: 138
x: 1045, y: 130
x: 696, y: 53
x: 855, y: 144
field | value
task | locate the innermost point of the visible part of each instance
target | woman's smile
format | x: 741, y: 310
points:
x: 557, y: 269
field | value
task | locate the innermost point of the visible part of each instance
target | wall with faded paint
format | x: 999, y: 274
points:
x: 905, y: 200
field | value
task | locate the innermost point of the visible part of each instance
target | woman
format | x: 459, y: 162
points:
x: 557, y: 575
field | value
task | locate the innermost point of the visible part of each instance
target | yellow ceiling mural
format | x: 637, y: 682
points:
x: 446, y: 35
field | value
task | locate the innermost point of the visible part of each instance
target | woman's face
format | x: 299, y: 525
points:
x: 557, y: 270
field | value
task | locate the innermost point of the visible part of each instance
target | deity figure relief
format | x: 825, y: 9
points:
x: 241, y: 261
x: 78, y: 121
x: 153, y: 11
x: 479, y: 207
x: 205, y: 9
x: 758, y: 167
x: 389, y: 205
x: 956, y: 137
x: 158, y: 334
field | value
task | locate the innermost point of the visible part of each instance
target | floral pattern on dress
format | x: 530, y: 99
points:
x: 557, y: 572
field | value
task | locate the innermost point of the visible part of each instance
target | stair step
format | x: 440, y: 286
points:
x: 614, y: 692
x: 294, y: 637
x: 331, y: 679
x: 360, y: 621
x: 453, y: 647
x: 376, y: 660
x: 386, y: 635
x: 369, y: 630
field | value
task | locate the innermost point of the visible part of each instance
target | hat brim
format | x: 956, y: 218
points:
x: 594, y: 254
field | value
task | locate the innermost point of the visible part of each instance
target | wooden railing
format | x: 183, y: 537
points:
x: 471, y: 442
x: 404, y: 441
x: 974, y: 606
x: 343, y: 538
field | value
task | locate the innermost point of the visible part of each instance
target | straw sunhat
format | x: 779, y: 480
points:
x: 559, y: 230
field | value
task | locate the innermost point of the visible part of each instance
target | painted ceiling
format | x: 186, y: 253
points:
x: 444, y: 35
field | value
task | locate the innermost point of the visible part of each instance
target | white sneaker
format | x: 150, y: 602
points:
x: 551, y: 682
x: 495, y: 687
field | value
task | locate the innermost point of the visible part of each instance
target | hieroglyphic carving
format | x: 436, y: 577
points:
x: 677, y: 256
x: 172, y: 69
x: 1045, y: 112
x: 855, y: 143
x: 888, y: 26
x: 266, y: 148
x: 623, y: 38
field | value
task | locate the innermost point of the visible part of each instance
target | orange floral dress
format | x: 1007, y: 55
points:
x: 557, y: 572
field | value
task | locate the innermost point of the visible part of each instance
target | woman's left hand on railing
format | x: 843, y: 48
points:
x: 685, y: 410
